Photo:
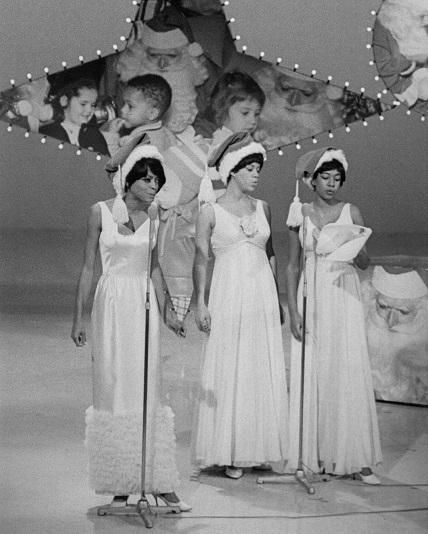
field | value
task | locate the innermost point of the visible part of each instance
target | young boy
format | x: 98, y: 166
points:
x: 146, y: 100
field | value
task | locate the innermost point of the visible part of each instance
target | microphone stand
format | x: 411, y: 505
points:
x: 143, y: 508
x: 299, y: 475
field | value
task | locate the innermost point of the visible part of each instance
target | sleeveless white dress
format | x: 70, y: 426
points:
x: 114, y: 422
x: 243, y: 405
x: 340, y: 429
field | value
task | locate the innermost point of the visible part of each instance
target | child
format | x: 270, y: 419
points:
x: 146, y: 100
x: 236, y: 104
x: 76, y: 103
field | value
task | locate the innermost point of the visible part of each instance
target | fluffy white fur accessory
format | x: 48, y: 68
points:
x: 119, y: 210
x: 407, y: 285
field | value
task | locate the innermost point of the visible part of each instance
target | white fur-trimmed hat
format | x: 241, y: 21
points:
x: 119, y: 210
x: 405, y: 285
x: 311, y: 161
x: 173, y: 38
x: 233, y: 150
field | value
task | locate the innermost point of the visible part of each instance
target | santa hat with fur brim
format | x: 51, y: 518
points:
x: 170, y: 29
x: 233, y: 150
x: 403, y: 285
x: 306, y: 166
x: 119, y: 209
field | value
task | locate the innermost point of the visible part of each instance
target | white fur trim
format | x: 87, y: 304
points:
x: 398, y: 286
x: 231, y: 159
x: 114, y: 442
x: 330, y: 155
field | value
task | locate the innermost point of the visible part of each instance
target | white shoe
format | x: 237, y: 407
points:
x: 171, y: 499
x: 233, y: 472
x: 119, y: 501
x: 367, y: 479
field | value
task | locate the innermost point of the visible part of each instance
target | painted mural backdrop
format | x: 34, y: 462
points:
x: 297, y: 106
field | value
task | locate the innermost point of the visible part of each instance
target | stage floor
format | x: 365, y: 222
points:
x: 46, y: 388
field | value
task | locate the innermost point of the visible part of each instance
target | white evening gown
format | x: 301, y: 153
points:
x: 114, y: 422
x: 243, y: 405
x: 340, y: 429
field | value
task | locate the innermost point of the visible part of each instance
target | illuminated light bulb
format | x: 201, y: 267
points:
x: 135, y: 3
x: 81, y: 59
x: 373, y: 12
x: 128, y: 20
x: 98, y: 157
x: 396, y: 103
x: 423, y: 118
x: 61, y: 146
x: 237, y: 38
x: 365, y: 123
x: 408, y: 112
x: 313, y: 73
x: 64, y: 64
x: 329, y: 78
x: 99, y: 53
x: 369, y: 29
x: 280, y: 152
x: 298, y: 146
x: 385, y: 91
x: 232, y: 19
x: 115, y: 47
x: 226, y: 3
x: 29, y: 76
x: 314, y: 140
x: 278, y: 60
x: 27, y: 134
x: 346, y: 85
x: 78, y: 152
x: 368, y: 46
x: 244, y: 48
x: 381, y: 117
x: 9, y: 128
x: 122, y: 38
x: 330, y: 134
x: 296, y: 66
x: 347, y: 129
x: 376, y: 78
x: 371, y: 63
x: 12, y: 82
x: 261, y: 55
x: 46, y: 70
x: 43, y: 140
x: 379, y: 96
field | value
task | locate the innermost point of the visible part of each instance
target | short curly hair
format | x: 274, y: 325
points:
x: 155, y: 89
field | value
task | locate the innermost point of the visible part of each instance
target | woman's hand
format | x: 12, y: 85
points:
x: 296, y: 325
x: 203, y: 318
x: 78, y: 334
x: 173, y: 322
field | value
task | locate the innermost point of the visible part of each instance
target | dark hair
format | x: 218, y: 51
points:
x: 155, y: 89
x: 334, y: 164
x: 233, y: 87
x: 248, y: 160
x: 140, y: 170
x: 70, y: 90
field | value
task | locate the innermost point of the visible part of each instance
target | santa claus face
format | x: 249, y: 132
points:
x: 164, y: 60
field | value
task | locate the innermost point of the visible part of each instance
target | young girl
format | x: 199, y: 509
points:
x: 236, y: 104
x: 340, y: 430
x: 120, y: 230
x: 76, y: 104
x: 243, y: 406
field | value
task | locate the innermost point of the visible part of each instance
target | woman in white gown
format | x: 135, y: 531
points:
x: 119, y: 229
x: 243, y: 406
x: 340, y: 429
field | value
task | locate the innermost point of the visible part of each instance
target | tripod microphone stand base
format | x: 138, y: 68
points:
x: 143, y: 509
x: 299, y: 476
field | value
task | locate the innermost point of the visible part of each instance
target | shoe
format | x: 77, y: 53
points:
x: 171, y: 499
x: 371, y: 479
x: 262, y: 467
x: 119, y: 500
x: 233, y: 472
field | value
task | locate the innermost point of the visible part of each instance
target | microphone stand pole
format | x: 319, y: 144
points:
x: 143, y: 508
x: 299, y: 475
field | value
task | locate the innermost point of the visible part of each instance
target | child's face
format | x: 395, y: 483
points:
x: 137, y: 110
x: 80, y: 108
x: 243, y: 116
